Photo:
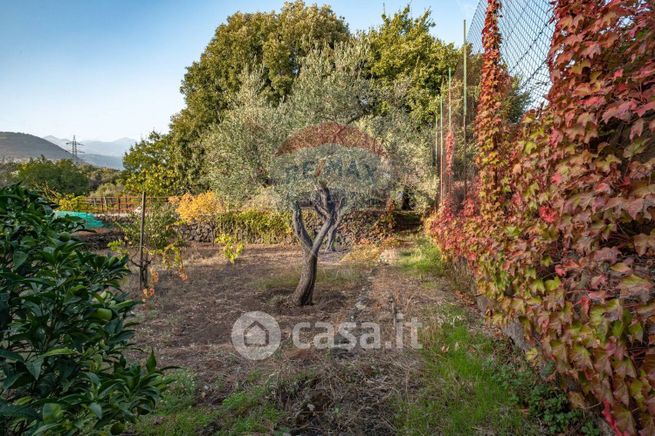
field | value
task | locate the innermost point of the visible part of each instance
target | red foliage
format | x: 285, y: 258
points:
x: 450, y: 155
x: 560, y: 234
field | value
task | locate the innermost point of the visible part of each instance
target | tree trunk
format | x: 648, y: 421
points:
x: 406, y: 205
x: 304, y: 292
x: 332, y: 234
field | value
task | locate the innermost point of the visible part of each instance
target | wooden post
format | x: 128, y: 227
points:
x: 143, y: 278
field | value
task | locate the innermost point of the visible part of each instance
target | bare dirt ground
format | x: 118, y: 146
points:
x: 188, y: 324
x: 468, y: 379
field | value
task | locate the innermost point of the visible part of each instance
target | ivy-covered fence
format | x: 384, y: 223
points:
x: 559, y: 231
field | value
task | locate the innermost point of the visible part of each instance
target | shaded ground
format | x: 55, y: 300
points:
x: 453, y: 385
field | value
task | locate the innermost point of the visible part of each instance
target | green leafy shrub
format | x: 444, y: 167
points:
x: 63, y: 329
x: 74, y: 203
x: 160, y: 227
x: 256, y: 226
x: 162, y: 242
x: 232, y: 248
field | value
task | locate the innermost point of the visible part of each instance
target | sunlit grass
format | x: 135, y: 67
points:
x: 423, y: 259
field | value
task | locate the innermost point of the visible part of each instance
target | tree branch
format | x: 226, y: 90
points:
x: 299, y: 228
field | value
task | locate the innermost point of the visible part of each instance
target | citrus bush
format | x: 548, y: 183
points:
x: 63, y: 330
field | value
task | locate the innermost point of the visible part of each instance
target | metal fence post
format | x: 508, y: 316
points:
x: 143, y: 278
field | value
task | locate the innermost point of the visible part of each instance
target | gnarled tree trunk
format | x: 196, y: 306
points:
x: 332, y: 233
x: 304, y: 292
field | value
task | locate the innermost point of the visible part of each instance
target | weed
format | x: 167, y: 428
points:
x: 175, y: 413
x: 247, y: 410
x: 250, y: 410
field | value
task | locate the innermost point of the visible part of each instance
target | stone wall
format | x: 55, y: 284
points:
x: 356, y: 227
x: 272, y: 227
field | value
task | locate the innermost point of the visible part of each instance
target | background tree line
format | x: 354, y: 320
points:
x: 251, y: 65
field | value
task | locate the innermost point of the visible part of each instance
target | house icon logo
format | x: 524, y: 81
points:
x: 256, y: 335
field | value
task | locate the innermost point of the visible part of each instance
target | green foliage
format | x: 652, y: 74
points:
x: 276, y: 41
x: 232, y: 248
x: 162, y: 240
x: 160, y: 227
x: 99, y: 176
x: 241, y: 147
x: 61, y: 177
x: 256, y: 226
x: 292, y: 69
x: 74, y: 203
x: 177, y: 412
x: 150, y: 167
x: 248, y: 410
x: 403, y: 51
x: 424, y: 259
x: 109, y: 189
x: 272, y: 42
x: 408, y: 146
x: 7, y: 173
x: 63, y: 329
x: 331, y: 87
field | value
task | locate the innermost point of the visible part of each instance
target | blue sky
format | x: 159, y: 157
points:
x: 104, y: 69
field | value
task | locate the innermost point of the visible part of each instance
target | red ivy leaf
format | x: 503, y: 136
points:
x: 547, y: 214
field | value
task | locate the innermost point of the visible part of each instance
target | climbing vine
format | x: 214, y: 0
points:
x: 559, y: 232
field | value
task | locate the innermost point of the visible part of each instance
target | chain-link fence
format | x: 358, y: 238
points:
x: 526, y: 29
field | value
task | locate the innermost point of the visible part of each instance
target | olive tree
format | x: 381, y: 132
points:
x: 298, y: 147
x: 240, y: 148
x: 329, y: 168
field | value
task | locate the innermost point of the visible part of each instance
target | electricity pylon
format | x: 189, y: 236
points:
x: 74, y: 148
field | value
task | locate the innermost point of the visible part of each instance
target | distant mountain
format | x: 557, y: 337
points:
x: 22, y: 146
x: 101, y: 160
x: 116, y: 148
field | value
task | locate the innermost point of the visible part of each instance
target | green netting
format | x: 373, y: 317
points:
x: 90, y: 220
